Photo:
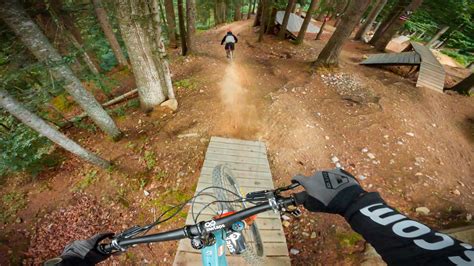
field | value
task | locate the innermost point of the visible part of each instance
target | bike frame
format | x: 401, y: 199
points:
x: 215, y: 254
x: 219, y: 227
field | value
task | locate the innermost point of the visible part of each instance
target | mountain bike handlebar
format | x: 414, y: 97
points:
x: 204, y: 228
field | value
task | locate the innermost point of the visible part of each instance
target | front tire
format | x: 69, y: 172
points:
x: 222, y: 177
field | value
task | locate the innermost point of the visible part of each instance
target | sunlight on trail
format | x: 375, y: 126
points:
x: 240, y: 115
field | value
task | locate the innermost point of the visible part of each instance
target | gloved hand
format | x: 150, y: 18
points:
x: 331, y: 191
x: 84, y: 252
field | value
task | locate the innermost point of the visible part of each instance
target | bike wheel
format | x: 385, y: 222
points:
x: 222, y: 177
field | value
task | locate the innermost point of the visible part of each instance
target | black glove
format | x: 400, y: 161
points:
x: 83, y: 252
x: 331, y: 191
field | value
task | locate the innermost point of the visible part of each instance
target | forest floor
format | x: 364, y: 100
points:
x: 412, y: 145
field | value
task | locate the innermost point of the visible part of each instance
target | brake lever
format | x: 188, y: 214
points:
x: 290, y: 187
x: 130, y: 232
x: 261, y: 195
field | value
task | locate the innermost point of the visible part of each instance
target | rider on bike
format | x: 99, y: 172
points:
x: 398, y: 239
x: 229, y: 41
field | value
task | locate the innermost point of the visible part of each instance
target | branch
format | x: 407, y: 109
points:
x: 107, y: 104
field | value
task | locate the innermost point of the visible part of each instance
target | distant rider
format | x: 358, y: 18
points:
x: 229, y: 41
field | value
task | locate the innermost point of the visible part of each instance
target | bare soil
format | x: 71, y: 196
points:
x: 420, y: 144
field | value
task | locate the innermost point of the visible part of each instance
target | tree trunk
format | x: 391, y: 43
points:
x: 253, y: 6
x: 271, y: 20
x: 341, y: 11
x: 264, y: 6
x: 52, y: 32
x: 394, y: 13
x: 140, y: 26
x: 437, y: 36
x: 238, y: 7
x: 108, y: 32
x: 293, y: 7
x: 321, y: 30
x: 39, y: 125
x: 258, y: 16
x: 182, y: 28
x: 286, y: 18
x: 220, y: 11
x: 249, y: 13
x: 396, y: 24
x: 191, y: 24
x: 306, y: 21
x: 85, y: 55
x: 465, y: 86
x: 329, y: 56
x: 223, y: 10
x: 29, y: 33
x: 171, y: 20
x: 163, y: 17
x: 378, y: 6
x: 228, y: 10
x: 74, y: 34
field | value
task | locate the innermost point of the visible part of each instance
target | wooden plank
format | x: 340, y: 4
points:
x: 224, y: 151
x: 248, y: 162
x: 245, y: 188
x: 236, y: 159
x: 236, y: 147
x: 243, y: 182
x: 239, y: 166
x: 237, y: 141
x: 241, y: 174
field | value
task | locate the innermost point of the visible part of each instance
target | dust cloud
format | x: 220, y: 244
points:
x: 240, y: 117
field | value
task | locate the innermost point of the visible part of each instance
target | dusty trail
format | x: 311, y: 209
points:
x: 239, y: 117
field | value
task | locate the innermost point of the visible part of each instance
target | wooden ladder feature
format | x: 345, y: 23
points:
x: 248, y: 162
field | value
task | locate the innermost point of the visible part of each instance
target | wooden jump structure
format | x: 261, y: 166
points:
x: 248, y: 161
x: 431, y: 72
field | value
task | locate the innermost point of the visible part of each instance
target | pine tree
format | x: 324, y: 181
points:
x: 29, y: 33
x: 329, y: 56
x: 39, y: 125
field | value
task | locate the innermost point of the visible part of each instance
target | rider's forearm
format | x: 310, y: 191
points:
x: 400, y: 240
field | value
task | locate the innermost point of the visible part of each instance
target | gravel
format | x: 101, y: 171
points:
x: 294, y: 251
x: 350, y: 88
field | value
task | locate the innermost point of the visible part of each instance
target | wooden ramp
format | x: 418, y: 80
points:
x: 294, y: 24
x: 431, y: 74
x: 248, y: 161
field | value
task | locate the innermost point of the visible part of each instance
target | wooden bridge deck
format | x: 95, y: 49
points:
x: 248, y: 161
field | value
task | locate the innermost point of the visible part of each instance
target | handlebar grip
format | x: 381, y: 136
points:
x: 300, y: 197
x: 105, y: 249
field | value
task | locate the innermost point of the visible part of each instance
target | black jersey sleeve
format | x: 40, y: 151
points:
x: 401, y: 240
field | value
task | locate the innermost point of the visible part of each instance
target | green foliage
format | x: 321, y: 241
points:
x: 435, y: 14
x: 133, y: 103
x: 119, y: 111
x: 85, y: 182
x: 184, y: 83
x: 143, y: 182
x: 85, y: 126
x: 22, y: 148
x: 150, y: 160
x: 11, y: 203
x: 463, y: 59
x: 348, y: 239
x: 160, y: 176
